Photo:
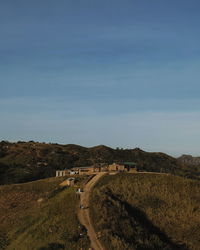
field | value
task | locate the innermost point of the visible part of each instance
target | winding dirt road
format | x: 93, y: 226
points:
x: 83, y: 214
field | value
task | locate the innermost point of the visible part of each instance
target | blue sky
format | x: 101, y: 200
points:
x: 120, y: 73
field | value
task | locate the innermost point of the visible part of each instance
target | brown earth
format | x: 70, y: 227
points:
x: 84, y: 215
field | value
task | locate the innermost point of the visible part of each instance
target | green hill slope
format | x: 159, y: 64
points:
x: 40, y: 215
x: 147, y: 211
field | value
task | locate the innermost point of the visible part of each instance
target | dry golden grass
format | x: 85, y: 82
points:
x: 147, y: 210
x: 40, y: 215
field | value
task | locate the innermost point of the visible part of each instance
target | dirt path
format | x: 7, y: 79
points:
x: 83, y: 214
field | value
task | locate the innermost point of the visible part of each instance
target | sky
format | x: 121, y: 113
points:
x: 118, y: 73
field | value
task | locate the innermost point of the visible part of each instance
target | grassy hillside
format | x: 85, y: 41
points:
x: 28, y: 161
x: 40, y: 215
x: 147, y: 211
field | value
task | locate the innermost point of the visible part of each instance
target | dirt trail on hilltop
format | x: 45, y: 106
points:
x: 84, y: 216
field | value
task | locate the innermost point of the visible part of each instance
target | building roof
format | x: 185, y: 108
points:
x: 82, y: 167
x: 130, y: 163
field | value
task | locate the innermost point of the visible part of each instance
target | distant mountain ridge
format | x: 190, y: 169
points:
x: 190, y: 160
x: 26, y: 161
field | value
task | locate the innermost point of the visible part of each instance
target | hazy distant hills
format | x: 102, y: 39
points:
x: 189, y: 160
x: 26, y: 161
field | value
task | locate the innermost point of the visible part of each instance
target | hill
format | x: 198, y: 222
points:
x: 147, y: 211
x: 28, y: 161
x: 129, y: 211
x: 40, y: 215
x: 189, y: 160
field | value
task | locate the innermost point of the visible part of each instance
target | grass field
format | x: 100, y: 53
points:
x: 40, y: 215
x: 147, y: 211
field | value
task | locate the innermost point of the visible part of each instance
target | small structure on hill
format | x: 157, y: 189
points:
x: 70, y: 182
x: 100, y: 167
x: 123, y: 167
x: 72, y: 172
x: 116, y: 167
x: 60, y: 173
x: 84, y: 170
x: 79, y: 190
x: 130, y: 166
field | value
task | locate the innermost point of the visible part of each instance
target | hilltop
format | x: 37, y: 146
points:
x: 127, y: 211
x: 27, y: 161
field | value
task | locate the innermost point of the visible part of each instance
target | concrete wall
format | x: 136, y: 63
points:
x: 60, y: 173
x: 112, y: 167
x: 116, y: 167
x: 70, y: 181
x: 120, y: 167
x: 91, y: 170
x: 86, y: 170
x: 133, y: 170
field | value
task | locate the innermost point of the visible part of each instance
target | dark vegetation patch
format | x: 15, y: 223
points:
x: 152, y: 202
x: 53, y: 246
x: 147, y: 211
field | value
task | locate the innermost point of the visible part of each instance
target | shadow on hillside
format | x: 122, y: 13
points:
x: 53, y: 246
x: 56, y: 191
x: 140, y: 217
